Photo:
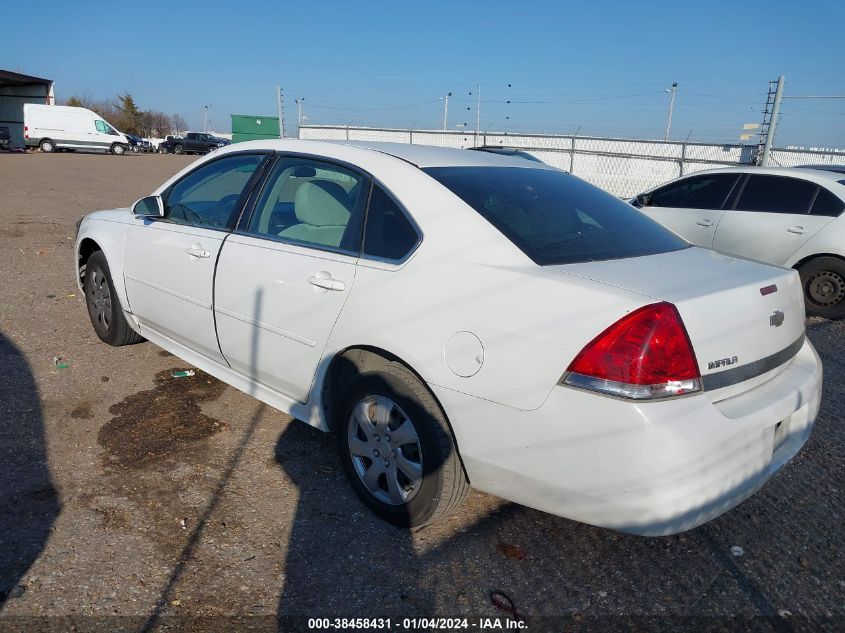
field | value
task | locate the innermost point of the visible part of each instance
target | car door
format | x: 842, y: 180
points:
x: 105, y: 134
x: 691, y: 207
x: 284, y: 275
x: 772, y: 217
x: 169, y: 261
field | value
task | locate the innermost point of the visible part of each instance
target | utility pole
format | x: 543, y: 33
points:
x: 205, y: 120
x: 773, y: 122
x: 478, y: 112
x: 281, y: 112
x: 299, y: 111
x: 446, y: 111
x: 671, y: 108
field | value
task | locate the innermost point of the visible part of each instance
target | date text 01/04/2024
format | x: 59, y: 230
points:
x: 413, y: 624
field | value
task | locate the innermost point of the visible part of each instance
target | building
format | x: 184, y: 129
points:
x: 17, y: 89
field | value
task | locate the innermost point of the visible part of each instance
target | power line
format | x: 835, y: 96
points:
x: 396, y: 107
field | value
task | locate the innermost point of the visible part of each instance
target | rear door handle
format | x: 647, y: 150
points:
x: 798, y: 230
x: 198, y: 251
x: 705, y: 222
x: 324, y: 280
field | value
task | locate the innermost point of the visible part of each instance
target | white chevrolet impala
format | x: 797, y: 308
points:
x: 463, y: 318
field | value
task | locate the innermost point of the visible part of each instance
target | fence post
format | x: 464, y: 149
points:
x: 347, y: 132
x: 411, y: 136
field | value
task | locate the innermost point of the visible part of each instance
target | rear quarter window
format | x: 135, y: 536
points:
x: 827, y: 204
x: 555, y: 218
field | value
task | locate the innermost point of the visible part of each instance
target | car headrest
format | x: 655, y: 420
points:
x: 321, y: 203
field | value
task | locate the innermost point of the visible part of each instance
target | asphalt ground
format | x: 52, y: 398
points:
x: 131, y: 500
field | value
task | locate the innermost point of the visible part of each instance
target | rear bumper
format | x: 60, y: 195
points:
x: 645, y: 468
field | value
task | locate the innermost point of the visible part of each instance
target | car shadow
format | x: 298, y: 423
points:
x: 341, y: 558
x: 29, y: 503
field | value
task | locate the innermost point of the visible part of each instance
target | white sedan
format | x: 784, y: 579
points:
x: 464, y: 318
x: 785, y: 216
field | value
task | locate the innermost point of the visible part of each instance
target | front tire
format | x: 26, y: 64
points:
x: 823, y: 279
x: 135, y: 149
x: 117, y: 149
x: 397, y: 449
x: 178, y: 150
x: 104, y: 306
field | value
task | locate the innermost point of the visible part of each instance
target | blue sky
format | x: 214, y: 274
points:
x: 603, y: 66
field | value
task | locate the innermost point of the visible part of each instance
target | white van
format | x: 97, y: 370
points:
x: 52, y: 127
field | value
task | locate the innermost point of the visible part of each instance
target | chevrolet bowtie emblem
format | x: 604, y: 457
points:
x: 776, y: 320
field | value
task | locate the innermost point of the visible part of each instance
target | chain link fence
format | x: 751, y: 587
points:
x: 623, y: 167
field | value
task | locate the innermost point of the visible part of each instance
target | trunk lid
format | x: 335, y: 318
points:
x: 745, y: 319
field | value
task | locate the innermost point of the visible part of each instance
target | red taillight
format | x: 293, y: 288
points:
x: 25, y: 132
x: 645, y: 354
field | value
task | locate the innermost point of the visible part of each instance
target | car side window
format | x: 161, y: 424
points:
x: 698, y: 192
x: 777, y: 194
x: 101, y: 126
x: 827, y: 204
x: 209, y: 195
x: 389, y: 234
x: 313, y: 203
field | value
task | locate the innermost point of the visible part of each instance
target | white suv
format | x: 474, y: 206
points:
x: 785, y: 216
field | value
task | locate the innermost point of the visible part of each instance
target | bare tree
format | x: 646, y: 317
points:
x: 180, y: 125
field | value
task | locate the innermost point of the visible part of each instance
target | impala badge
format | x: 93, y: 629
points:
x: 776, y: 320
x: 722, y: 362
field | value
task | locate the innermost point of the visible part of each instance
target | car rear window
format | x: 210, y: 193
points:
x: 555, y: 218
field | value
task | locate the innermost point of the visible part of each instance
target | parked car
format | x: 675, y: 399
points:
x: 193, y: 143
x: 137, y: 144
x: 784, y: 216
x: 464, y: 318
x: 51, y: 128
x: 5, y: 138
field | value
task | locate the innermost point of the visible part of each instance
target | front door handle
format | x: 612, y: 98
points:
x: 198, y: 251
x: 705, y: 222
x: 324, y: 280
x: 798, y: 230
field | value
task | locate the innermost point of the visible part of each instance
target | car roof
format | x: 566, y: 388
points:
x: 815, y: 175
x: 419, y: 155
x: 834, y: 168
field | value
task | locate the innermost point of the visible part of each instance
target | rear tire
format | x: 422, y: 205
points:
x: 47, y: 146
x: 104, y: 306
x: 117, y: 149
x: 178, y: 150
x: 823, y: 279
x: 413, y: 478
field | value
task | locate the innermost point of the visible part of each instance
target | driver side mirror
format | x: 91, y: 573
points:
x: 642, y: 200
x: 151, y: 206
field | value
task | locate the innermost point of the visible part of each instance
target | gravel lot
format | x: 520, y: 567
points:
x: 235, y: 511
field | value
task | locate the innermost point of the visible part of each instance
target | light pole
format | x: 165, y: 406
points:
x: 445, y: 101
x: 671, y: 107
x: 205, y: 119
x: 299, y: 111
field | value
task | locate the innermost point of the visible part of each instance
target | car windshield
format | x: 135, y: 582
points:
x: 555, y: 218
